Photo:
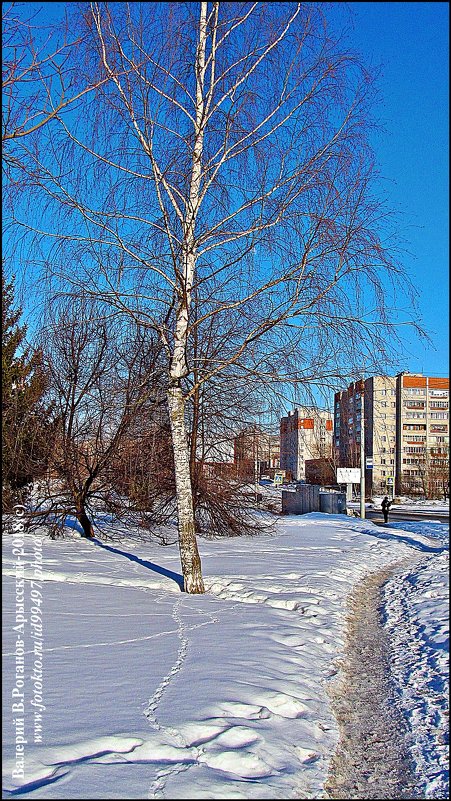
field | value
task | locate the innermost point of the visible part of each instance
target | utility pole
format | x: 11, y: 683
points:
x: 362, y: 451
x: 256, y: 475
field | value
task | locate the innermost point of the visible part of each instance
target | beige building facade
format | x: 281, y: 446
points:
x: 256, y: 451
x: 306, y: 433
x: 422, y: 434
x: 406, y: 432
x: 376, y: 396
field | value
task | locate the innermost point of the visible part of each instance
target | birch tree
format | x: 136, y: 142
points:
x: 220, y: 164
x: 38, y: 80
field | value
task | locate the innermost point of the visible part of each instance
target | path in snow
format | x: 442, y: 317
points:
x: 372, y: 758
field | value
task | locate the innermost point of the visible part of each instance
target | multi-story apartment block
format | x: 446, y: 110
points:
x: 305, y: 434
x: 422, y: 434
x: 378, y: 397
x: 405, y: 431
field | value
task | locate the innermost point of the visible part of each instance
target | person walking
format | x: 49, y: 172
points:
x: 385, y: 507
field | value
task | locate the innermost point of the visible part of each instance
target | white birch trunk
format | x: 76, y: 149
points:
x: 189, y: 555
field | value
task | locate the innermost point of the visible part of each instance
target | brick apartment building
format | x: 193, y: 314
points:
x: 305, y: 434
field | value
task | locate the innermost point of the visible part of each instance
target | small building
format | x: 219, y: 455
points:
x: 256, y: 451
x: 320, y: 471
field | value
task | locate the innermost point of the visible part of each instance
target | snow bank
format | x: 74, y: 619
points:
x: 417, y: 609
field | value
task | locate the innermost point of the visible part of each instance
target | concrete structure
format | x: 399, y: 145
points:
x: 310, y: 498
x: 306, y: 433
x: 406, y: 430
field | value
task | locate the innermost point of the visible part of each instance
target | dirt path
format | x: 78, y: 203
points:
x: 371, y: 760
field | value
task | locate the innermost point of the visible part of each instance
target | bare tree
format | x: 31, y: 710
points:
x: 220, y: 165
x: 38, y: 81
x: 143, y: 470
x: 103, y: 373
x: 433, y: 472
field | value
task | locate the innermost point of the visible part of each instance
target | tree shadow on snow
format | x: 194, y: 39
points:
x: 419, y: 546
x: 177, y: 577
x: 71, y: 522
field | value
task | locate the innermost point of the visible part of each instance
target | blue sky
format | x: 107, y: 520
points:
x: 410, y: 42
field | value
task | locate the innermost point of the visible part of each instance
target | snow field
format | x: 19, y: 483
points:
x: 153, y: 693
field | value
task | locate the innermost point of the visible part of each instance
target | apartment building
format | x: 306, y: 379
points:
x: 306, y: 433
x: 422, y: 434
x: 405, y: 432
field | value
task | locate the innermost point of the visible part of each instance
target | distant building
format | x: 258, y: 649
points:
x: 306, y: 433
x: 406, y: 432
x: 378, y: 394
x: 422, y: 434
x: 255, y: 449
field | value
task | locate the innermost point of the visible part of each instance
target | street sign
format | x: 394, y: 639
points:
x: 369, y: 462
x: 348, y: 475
x: 390, y: 479
x: 278, y: 478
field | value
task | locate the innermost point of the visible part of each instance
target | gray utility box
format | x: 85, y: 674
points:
x: 332, y: 503
x: 309, y: 498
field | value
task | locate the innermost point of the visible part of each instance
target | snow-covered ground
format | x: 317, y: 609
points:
x: 417, y: 612
x: 146, y: 692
